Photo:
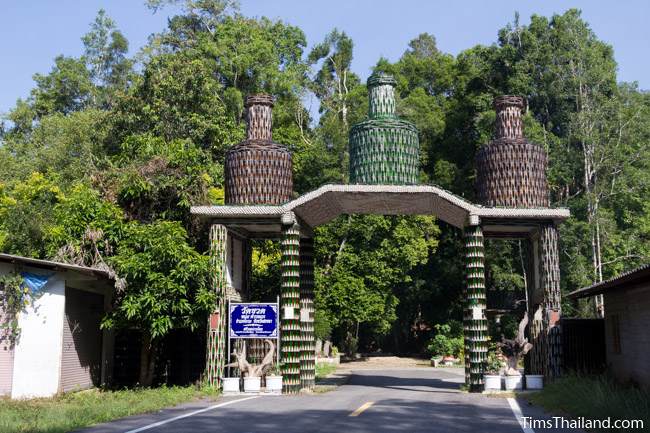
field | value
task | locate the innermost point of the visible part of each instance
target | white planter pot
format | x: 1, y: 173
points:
x: 252, y: 384
x: 230, y: 385
x: 513, y: 382
x: 492, y: 382
x: 534, y: 381
x: 274, y: 384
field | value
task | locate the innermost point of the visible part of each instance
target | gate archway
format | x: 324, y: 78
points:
x: 511, y: 185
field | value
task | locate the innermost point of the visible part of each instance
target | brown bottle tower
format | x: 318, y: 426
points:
x: 257, y: 170
x: 511, y: 172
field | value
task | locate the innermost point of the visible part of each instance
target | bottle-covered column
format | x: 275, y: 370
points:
x: 308, y: 353
x: 290, y: 344
x: 474, y: 321
x: 550, y: 272
x: 216, y: 338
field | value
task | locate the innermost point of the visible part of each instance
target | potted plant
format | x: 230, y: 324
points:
x: 493, y: 372
x: 252, y: 384
x: 514, y: 382
x: 534, y: 381
x: 274, y: 380
x: 230, y: 385
x: 253, y: 372
x: 514, y: 350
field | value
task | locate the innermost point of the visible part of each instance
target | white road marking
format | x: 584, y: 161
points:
x: 516, y: 410
x: 176, y: 418
x: 362, y: 408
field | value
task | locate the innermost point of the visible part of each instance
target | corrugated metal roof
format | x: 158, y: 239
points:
x: 626, y: 278
x: 55, y: 266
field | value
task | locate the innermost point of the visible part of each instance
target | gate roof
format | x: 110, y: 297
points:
x: 329, y: 201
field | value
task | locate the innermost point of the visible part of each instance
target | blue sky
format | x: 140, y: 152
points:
x: 33, y: 32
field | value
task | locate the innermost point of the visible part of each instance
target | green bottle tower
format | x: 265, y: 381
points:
x: 384, y: 150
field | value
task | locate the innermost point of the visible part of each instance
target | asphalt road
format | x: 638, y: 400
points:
x: 373, y: 401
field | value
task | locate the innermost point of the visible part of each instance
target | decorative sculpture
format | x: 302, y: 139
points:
x: 253, y: 370
x: 515, y: 349
x: 511, y: 171
x: 257, y: 170
x: 384, y: 150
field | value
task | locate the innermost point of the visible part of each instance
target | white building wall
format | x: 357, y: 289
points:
x: 37, y: 356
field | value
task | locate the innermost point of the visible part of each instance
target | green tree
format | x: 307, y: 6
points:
x: 177, y: 98
x: 167, y: 286
x: 67, y: 88
x: 361, y: 261
x: 105, y: 50
x: 155, y: 179
x: 80, y: 211
x: 64, y: 147
x: 26, y: 212
x: 342, y: 102
x: 571, y: 77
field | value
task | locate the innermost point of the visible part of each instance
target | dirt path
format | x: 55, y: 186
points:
x: 384, y: 362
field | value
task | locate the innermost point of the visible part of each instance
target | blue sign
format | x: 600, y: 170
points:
x: 253, y: 320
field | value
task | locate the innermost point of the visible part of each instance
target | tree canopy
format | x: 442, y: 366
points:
x: 121, y: 147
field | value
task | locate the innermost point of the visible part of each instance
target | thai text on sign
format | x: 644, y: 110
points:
x: 253, y: 320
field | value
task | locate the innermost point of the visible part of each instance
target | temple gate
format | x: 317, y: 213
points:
x: 384, y: 167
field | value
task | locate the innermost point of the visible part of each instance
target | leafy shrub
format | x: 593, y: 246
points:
x: 448, y: 340
x: 14, y: 297
x: 322, y: 326
x: 494, y: 364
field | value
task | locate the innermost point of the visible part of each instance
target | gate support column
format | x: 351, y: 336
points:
x: 290, y: 340
x: 474, y: 321
x: 216, y: 341
x: 308, y: 352
x: 550, y: 273
x: 535, y: 359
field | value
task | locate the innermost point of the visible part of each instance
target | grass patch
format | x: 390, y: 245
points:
x: 81, y: 409
x: 327, y: 384
x: 324, y: 370
x: 322, y: 389
x: 594, y: 398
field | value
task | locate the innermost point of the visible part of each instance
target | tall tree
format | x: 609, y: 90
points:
x: 105, y: 50
x: 67, y: 88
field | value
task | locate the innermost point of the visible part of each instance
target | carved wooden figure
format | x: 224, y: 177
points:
x: 515, y: 349
x: 253, y: 370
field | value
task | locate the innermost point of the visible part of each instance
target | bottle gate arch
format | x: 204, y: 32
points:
x: 511, y: 185
x: 294, y: 222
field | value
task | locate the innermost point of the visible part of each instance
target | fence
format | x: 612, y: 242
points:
x: 583, y: 345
